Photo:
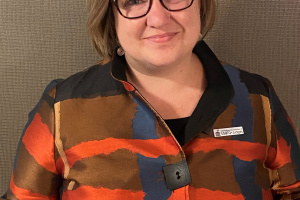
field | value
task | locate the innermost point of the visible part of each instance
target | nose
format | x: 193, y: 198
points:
x: 158, y: 15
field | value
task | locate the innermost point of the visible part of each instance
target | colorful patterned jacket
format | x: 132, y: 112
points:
x: 93, y: 136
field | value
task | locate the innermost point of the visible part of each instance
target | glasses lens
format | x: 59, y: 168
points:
x: 174, y: 5
x: 133, y: 8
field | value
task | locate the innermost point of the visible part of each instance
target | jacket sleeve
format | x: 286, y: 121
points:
x: 34, y: 174
x: 286, y: 163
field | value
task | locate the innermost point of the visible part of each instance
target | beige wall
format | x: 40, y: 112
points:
x: 42, y: 40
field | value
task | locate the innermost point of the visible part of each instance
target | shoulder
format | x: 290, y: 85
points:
x: 254, y: 83
x: 91, y: 82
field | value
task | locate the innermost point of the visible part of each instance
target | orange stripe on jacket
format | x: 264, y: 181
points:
x: 128, y: 86
x: 102, y: 194
x: 180, y: 193
x: 152, y: 148
x: 202, y: 193
x: 40, y: 143
x: 283, y: 154
x: 247, y: 151
x: 290, y: 187
x: 21, y: 193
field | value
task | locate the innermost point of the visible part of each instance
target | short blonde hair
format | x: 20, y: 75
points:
x: 101, y: 24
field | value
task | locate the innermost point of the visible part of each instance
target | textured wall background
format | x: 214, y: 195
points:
x: 43, y: 40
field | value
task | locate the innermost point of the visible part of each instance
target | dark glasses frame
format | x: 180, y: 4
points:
x: 115, y: 2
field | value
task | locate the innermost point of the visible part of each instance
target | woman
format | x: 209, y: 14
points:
x: 163, y: 119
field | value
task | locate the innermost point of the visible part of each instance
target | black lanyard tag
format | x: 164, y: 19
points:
x: 177, y: 175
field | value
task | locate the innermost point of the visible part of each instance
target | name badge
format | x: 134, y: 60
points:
x: 221, y: 132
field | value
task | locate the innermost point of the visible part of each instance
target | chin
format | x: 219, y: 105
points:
x: 161, y: 61
x: 163, y: 57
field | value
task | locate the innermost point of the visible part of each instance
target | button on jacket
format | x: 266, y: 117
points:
x: 94, y: 136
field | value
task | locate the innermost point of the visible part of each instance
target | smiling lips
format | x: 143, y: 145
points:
x: 161, y: 38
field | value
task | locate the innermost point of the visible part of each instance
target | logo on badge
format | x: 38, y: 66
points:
x: 222, y: 132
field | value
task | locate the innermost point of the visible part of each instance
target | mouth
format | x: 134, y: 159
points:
x: 161, y: 38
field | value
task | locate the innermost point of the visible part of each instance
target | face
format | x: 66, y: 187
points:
x: 161, y: 38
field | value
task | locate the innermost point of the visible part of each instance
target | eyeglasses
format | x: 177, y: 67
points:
x: 133, y: 9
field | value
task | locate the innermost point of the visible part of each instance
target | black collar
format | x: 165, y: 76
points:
x: 216, y: 97
x: 214, y: 100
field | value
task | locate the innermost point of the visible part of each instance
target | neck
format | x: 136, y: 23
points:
x: 183, y: 74
x: 175, y: 91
